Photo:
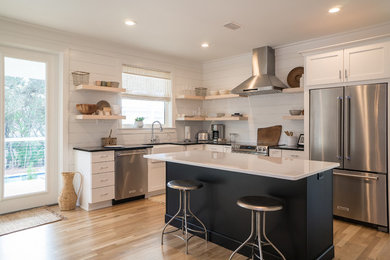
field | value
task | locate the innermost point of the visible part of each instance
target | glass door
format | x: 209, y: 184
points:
x: 25, y: 127
x: 28, y: 149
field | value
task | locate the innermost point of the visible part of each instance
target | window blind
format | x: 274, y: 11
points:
x: 146, y: 84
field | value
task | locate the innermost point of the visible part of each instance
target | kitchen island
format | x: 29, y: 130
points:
x: 302, y: 230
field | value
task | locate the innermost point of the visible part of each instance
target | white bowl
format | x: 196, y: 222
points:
x: 214, y: 92
x: 224, y: 91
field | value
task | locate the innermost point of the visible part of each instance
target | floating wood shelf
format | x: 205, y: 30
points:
x: 225, y: 118
x: 221, y: 96
x: 98, y: 88
x: 300, y: 117
x: 99, y: 117
x: 293, y: 90
x: 207, y: 97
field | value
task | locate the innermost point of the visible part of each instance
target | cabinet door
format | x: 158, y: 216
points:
x: 367, y: 62
x: 324, y: 68
x: 156, y: 176
x: 227, y: 149
x: 275, y: 153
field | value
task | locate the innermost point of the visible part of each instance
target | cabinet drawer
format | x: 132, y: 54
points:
x: 103, y: 167
x: 214, y: 148
x: 102, y: 194
x: 293, y: 154
x: 227, y: 149
x: 103, y: 179
x: 275, y: 153
x: 195, y: 147
x: 102, y: 156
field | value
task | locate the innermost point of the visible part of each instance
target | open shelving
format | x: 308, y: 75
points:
x: 225, y: 96
x: 98, y: 88
x: 299, y: 117
x: 293, y: 90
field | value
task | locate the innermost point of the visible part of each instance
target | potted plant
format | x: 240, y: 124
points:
x: 139, y: 122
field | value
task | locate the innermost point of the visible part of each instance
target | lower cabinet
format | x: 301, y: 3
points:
x: 156, y: 177
x: 97, y: 170
x: 218, y: 148
x: 287, y: 153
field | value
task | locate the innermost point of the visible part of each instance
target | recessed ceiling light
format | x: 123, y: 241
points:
x: 130, y: 22
x: 334, y: 10
x: 205, y: 45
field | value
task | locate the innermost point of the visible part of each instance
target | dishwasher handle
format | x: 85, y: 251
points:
x: 128, y: 153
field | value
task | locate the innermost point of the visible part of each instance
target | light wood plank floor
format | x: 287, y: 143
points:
x: 132, y: 231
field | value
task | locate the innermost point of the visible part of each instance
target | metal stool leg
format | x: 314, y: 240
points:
x: 270, y: 243
x: 258, y: 227
x: 185, y: 219
x: 189, y: 210
x: 248, y: 239
x: 177, y: 213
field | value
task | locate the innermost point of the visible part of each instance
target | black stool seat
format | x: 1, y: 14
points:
x: 260, y: 203
x: 184, y: 185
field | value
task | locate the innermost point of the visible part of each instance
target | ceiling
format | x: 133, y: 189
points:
x: 178, y: 27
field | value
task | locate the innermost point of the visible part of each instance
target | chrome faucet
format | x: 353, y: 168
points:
x: 154, y: 138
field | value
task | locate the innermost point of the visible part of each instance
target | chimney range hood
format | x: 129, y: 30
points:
x: 263, y: 80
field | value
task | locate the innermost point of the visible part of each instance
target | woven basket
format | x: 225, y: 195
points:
x: 68, y: 197
x: 80, y: 78
x: 109, y: 141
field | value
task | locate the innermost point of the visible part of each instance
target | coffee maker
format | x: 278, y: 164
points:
x: 218, y: 132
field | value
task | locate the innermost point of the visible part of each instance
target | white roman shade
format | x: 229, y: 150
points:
x: 146, y: 84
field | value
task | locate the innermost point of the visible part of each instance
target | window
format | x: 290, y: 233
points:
x: 148, y: 95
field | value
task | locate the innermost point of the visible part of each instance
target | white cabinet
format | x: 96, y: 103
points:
x: 214, y: 148
x: 287, y: 153
x: 227, y: 149
x: 156, y: 169
x: 194, y: 147
x: 324, y: 68
x: 97, y: 169
x: 366, y: 62
x: 293, y: 154
x: 275, y: 153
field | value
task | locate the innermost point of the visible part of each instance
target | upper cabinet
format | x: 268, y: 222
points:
x: 324, y: 68
x: 348, y: 65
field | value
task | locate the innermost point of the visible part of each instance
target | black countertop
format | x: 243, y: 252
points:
x: 285, y: 147
x: 140, y: 146
x: 119, y: 148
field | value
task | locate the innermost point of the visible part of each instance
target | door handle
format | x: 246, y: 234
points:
x: 348, y: 129
x: 339, y: 122
x: 340, y: 75
x: 355, y: 176
x: 346, y: 74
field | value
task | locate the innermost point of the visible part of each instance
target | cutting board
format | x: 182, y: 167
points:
x: 269, y: 135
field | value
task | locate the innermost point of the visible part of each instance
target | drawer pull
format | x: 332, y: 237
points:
x: 356, y: 176
x: 103, y: 167
x: 103, y: 156
x: 104, y: 180
x: 294, y: 155
x: 105, y: 194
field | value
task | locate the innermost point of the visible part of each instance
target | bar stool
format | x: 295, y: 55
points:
x: 184, y: 187
x: 258, y: 205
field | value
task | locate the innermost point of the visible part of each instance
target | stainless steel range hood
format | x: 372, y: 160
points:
x: 263, y: 80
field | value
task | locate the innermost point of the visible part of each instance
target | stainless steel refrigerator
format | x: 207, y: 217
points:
x: 349, y: 125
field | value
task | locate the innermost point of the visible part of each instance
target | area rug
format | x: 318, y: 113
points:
x: 26, y: 219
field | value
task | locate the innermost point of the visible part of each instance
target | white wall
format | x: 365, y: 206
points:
x: 268, y: 110
x: 103, y: 60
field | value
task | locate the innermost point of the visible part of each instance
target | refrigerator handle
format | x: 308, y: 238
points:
x: 348, y: 128
x: 339, y: 125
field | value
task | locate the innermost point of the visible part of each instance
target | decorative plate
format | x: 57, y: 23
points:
x: 294, y: 76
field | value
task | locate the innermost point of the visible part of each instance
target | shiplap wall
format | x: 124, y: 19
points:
x: 87, y: 133
x: 263, y: 110
x: 268, y: 110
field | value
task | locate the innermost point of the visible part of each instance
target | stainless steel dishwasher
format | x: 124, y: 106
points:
x: 131, y: 174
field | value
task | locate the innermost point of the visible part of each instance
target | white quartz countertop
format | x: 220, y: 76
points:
x: 275, y: 167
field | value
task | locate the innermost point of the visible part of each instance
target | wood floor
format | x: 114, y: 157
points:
x: 132, y: 231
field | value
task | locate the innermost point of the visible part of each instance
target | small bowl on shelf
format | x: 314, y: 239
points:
x: 220, y: 114
x: 214, y: 92
x: 86, y: 109
x: 295, y: 112
x: 114, y: 84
